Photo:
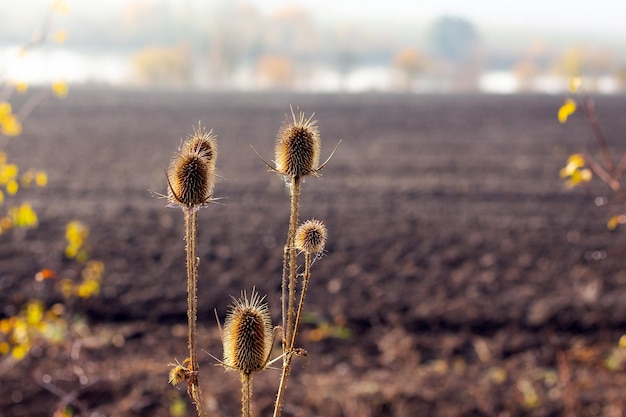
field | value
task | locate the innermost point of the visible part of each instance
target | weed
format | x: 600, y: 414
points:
x: 248, y: 334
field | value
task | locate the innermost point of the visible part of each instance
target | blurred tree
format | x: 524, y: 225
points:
x: 584, y: 61
x: 525, y: 72
x: 170, y: 66
x: 275, y: 71
x: 620, y: 76
x: 410, y: 62
x: 453, y: 38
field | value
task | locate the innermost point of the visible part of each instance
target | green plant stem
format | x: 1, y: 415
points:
x: 246, y: 394
x: 193, y: 388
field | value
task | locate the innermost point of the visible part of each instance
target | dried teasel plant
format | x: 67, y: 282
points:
x: 297, y: 152
x: 248, y: 339
x: 248, y: 335
x: 190, y: 179
x: 310, y: 239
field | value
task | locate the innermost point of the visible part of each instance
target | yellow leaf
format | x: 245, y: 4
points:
x: 19, y: 352
x: 574, y: 84
x: 41, y: 178
x: 67, y: 288
x: 34, y: 312
x: 579, y: 176
x: 5, y: 110
x: 12, y: 187
x: 23, y: 216
x: 1, y: 197
x: 622, y: 341
x: 11, y: 126
x: 615, y: 221
x: 8, y: 173
x: 574, y: 162
x: 5, y: 326
x: 60, y: 36
x: 60, y: 6
x: 567, y: 109
x: 21, y: 86
x: 88, y: 288
x: 60, y: 89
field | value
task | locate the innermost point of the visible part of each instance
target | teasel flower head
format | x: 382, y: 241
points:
x: 248, y: 334
x: 191, y: 175
x: 311, y: 236
x: 298, y: 147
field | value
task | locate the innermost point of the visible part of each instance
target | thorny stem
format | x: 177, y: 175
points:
x: 246, y: 393
x: 280, y: 397
x: 289, y: 267
x: 293, y: 225
x: 305, y: 286
x: 289, y: 294
x: 193, y: 388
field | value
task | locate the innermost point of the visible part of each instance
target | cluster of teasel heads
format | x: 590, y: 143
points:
x: 248, y: 334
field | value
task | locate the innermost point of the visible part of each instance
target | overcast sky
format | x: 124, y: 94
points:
x: 601, y: 17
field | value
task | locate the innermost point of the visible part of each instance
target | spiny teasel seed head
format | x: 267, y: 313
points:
x: 311, y: 236
x: 298, y: 147
x: 204, y: 143
x: 192, y: 172
x: 248, y: 334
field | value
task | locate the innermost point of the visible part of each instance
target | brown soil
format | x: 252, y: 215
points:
x: 472, y: 283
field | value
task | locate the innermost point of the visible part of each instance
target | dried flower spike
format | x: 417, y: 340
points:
x: 298, y: 147
x: 192, y: 172
x: 248, y: 334
x: 311, y: 236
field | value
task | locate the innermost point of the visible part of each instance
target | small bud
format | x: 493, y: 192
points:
x: 248, y: 334
x: 311, y: 236
x: 192, y: 172
x: 298, y: 147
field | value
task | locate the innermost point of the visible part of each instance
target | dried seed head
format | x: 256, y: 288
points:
x: 298, y: 147
x: 192, y: 171
x: 204, y: 143
x: 311, y: 236
x: 248, y: 334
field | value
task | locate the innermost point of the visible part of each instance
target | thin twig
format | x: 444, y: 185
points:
x: 305, y: 285
x: 589, y: 110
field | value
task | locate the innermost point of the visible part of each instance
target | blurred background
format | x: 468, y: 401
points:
x: 321, y: 45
